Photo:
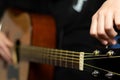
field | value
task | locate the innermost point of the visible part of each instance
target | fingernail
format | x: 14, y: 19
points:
x: 105, y: 42
x: 114, y: 42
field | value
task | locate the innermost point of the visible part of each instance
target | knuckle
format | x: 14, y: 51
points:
x: 92, y: 33
x: 101, y: 13
x: 107, y: 28
x: 101, y: 33
x: 94, y: 17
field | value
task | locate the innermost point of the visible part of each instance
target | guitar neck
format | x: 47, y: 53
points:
x: 61, y: 58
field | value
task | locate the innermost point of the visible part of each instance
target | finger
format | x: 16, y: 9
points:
x: 117, y: 20
x: 7, y: 41
x: 103, y: 41
x: 107, y: 42
x: 110, y: 31
x: 4, y: 56
x: 109, y: 26
x: 6, y: 50
x: 101, y: 30
x: 93, y: 27
x: 112, y: 42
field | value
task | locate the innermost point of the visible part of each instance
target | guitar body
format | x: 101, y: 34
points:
x: 30, y: 29
x: 43, y: 34
x: 17, y: 26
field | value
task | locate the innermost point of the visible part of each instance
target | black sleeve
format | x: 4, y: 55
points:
x: 35, y: 6
x: 3, y: 6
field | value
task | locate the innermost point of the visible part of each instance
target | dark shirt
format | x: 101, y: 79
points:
x: 73, y: 27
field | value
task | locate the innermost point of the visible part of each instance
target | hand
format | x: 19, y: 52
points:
x: 103, y: 21
x: 5, y: 46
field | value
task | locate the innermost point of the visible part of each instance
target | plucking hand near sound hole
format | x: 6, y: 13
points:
x: 5, y: 45
x: 103, y: 21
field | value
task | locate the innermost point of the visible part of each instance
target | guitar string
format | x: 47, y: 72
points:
x: 52, y: 50
x: 92, y: 67
x: 74, y: 52
x: 95, y: 67
x: 63, y: 51
x: 88, y: 66
x: 78, y: 62
x: 69, y: 56
x: 63, y: 58
x: 73, y: 57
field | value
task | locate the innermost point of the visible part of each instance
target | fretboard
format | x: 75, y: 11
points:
x: 61, y: 58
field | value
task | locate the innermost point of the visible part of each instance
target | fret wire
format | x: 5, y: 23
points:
x: 43, y: 55
x: 66, y: 60
x: 72, y: 61
x: 69, y: 55
x: 49, y: 50
x: 55, y: 60
x: 62, y: 59
x: 63, y: 53
x: 48, y: 57
x: 52, y: 57
x: 43, y: 49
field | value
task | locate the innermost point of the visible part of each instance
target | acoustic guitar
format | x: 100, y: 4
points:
x: 37, y: 46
